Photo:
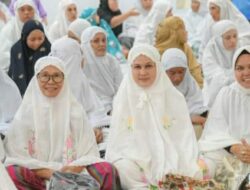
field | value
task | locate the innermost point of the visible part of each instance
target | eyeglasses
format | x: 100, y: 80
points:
x: 45, y: 77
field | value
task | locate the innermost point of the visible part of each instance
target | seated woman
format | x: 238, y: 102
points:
x: 227, y: 131
x: 11, y: 32
x: 101, y: 68
x: 26, y: 51
x: 175, y: 64
x: 10, y: 101
x: 217, y: 59
x: 70, y: 51
x: 151, y: 131
x: 67, y: 14
x: 171, y: 33
x: 113, y: 45
x: 50, y: 132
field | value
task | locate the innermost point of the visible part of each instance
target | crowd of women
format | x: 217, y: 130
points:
x: 124, y: 99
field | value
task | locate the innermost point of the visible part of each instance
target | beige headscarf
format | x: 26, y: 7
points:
x: 168, y: 36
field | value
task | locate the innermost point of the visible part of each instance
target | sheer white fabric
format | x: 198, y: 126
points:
x: 10, y: 101
x: 50, y: 132
x: 104, y: 73
x: 146, y: 123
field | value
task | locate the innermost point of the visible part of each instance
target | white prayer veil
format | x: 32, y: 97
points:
x: 10, y: 101
x: 104, y: 72
x: 228, y: 120
x: 78, y: 26
x: 217, y: 61
x: 50, y: 132
x: 11, y: 33
x: 174, y: 57
x: 60, y: 27
x: 151, y: 126
x: 147, y: 30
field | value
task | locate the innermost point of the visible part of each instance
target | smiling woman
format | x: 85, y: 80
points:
x: 24, y: 53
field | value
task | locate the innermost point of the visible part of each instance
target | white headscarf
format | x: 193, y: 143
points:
x: 174, y: 57
x: 50, y: 132
x: 230, y: 12
x: 70, y: 51
x: 147, y: 30
x: 10, y: 101
x: 217, y: 61
x: 7, y: 14
x: 11, y: 33
x: 60, y: 27
x: 151, y: 126
x: 104, y: 73
x: 228, y: 120
x: 78, y: 26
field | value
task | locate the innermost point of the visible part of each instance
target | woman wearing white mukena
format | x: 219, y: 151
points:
x: 151, y: 131
x: 227, y: 130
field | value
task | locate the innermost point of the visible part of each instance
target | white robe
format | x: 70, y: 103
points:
x: 217, y: 62
x: 104, y: 73
x: 50, y: 132
x: 10, y: 100
x: 151, y: 131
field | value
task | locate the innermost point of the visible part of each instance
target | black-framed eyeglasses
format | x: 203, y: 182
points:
x: 45, y: 77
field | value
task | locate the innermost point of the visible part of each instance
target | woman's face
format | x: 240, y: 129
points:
x: 147, y: 4
x: 214, y: 11
x: 71, y: 12
x: 35, y: 39
x: 50, y: 81
x: 26, y: 13
x: 242, y: 70
x: 176, y: 75
x: 230, y: 39
x: 98, y: 44
x: 143, y: 71
x: 113, y: 5
x: 195, y: 6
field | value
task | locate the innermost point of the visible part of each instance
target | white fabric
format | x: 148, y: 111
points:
x: 227, y: 12
x: 5, y: 180
x: 50, y: 132
x: 104, y: 73
x: 147, y: 30
x: 11, y: 33
x: 217, y: 62
x: 78, y: 26
x: 132, y: 24
x: 151, y: 126
x: 60, y: 26
x: 70, y: 51
x: 10, y: 100
x: 228, y: 119
x: 2, y: 151
x: 4, y: 9
x: 174, y: 57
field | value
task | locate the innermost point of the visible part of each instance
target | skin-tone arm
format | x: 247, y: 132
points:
x: 72, y: 169
x: 43, y: 173
x: 198, y: 120
x: 241, y: 151
x: 117, y: 20
x: 98, y: 135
